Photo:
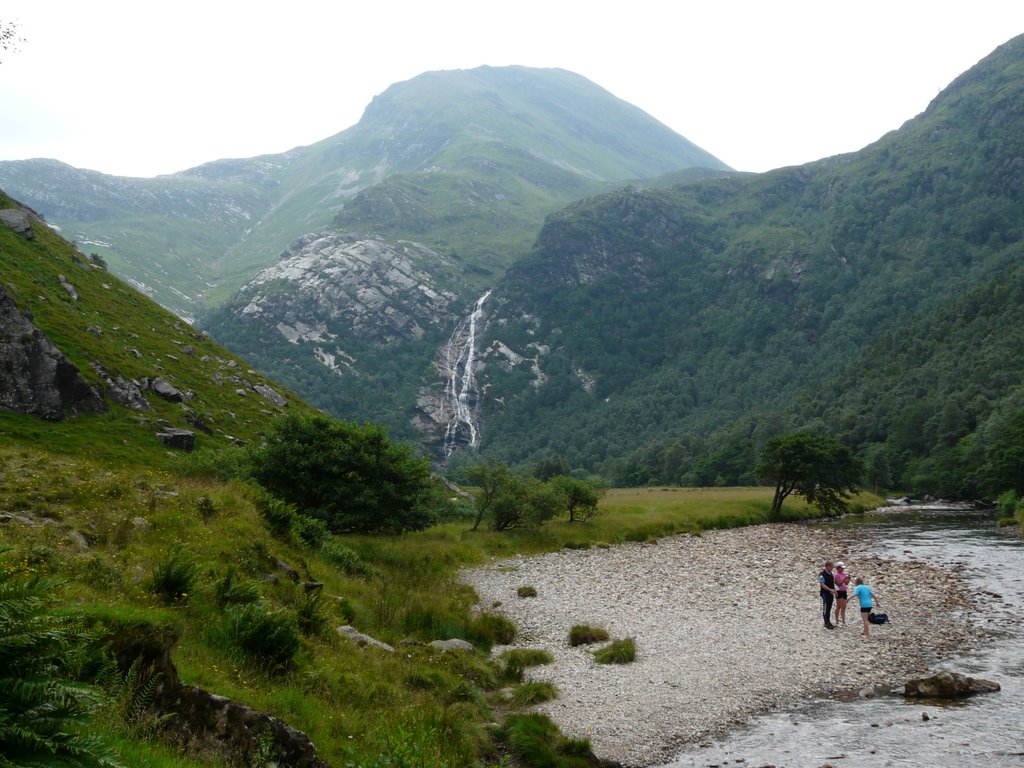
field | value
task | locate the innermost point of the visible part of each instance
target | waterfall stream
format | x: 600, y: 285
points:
x: 461, y: 396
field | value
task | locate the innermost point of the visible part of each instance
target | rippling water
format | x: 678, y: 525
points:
x: 985, y: 730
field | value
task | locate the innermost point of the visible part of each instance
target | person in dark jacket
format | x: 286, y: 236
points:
x: 827, y: 585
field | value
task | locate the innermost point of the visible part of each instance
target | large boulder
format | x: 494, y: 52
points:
x: 948, y: 685
x: 19, y: 220
x: 181, y: 439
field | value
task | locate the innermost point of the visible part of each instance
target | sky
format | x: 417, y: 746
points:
x: 142, y: 88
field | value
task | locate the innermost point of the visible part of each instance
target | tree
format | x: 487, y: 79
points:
x: 509, y: 501
x: 352, y: 477
x: 822, y: 470
x: 41, y: 708
x: 9, y: 38
x: 580, y: 498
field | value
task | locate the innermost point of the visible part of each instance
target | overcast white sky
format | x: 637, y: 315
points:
x: 141, y: 88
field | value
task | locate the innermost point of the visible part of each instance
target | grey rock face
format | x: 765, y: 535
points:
x: 35, y: 377
x: 340, y: 285
x: 363, y: 640
x: 182, y: 439
x: 270, y: 395
x: 18, y: 220
x: 165, y: 390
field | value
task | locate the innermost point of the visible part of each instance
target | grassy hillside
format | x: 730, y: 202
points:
x: 130, y: 336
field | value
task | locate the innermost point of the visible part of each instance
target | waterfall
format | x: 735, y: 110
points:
x: 461, y: 396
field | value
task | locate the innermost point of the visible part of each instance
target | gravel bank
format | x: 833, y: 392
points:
x: 727, y: 624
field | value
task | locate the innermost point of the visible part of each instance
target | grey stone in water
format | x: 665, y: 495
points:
x: 455, y: 644
x: 360, y: 639
x: 949, y: 685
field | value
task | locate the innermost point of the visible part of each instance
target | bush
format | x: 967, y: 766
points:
x: 338, y: 554
x: 539, y: 744
x: 279, y: 515
x: 582, y: 634
x: 309, y: 531
x: 515, y: 660
x: 352, y: 477
x: 526, y: 592
x: 269, y: 638
x: 617, y: 652
x: 490, y: 628
x: 232, y: 590
x: 173, y: 579
x: 309, y: 614
x: 528, y: 694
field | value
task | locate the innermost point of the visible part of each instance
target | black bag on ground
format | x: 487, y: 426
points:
x: 878, y: 618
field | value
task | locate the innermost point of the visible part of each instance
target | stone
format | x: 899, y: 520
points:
x: 453, y: 644
x: 181, y: 439
x: 948, y: 685
x: 19, y: 220
x: 35, y: 377
x: 127, y: 393
x: 270, y: 395
x: 290, y: 572
x: 165, y: 390
x: 362, y: 640
x: 68, y: 287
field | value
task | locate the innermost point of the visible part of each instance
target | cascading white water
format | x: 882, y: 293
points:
x: 460, y: 391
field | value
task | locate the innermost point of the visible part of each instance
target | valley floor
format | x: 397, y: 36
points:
x: 727, y: 624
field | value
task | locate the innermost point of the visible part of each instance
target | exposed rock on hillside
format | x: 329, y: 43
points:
x: 330, y: 287
x: 35, y: 377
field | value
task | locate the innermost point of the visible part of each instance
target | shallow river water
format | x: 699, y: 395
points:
x: 888, y: 730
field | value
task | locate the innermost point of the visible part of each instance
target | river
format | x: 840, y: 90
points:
x: 888, y: 730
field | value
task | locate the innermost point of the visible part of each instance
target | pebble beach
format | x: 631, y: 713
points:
x: 727, y: 624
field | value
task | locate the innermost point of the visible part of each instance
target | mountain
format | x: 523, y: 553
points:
x: 664, y: 334
x: 88, y: 365
x: 466, y: 162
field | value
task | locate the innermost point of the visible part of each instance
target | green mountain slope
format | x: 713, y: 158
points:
x: 142, y: 370
x: 488, y: 152
x: 704, y: 311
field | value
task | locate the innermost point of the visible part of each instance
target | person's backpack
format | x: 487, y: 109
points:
x: 878, y: 618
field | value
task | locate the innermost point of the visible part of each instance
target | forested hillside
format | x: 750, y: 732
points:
x: 869, y: 295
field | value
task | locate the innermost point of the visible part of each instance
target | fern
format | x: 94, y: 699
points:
x: 42, y: 710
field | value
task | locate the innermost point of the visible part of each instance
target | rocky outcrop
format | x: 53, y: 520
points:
x: 19, y: 220
x: 181, y: 439
x: 204, y: 722
x: 35, y: 377
x: 332, y: 286
x: 948, y: 685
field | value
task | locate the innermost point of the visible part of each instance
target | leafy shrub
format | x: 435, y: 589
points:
x: 539, y: 744
x: 1007, y: 505
x: 40, y: 707
x: 583, y: 634
x: 279, y: 515
x: 490, y: 628
x: 309, y: 614
x: 269, y: 638
x: 528, y: 694
x: 352, y: 477
x: 526, y: 592
x: 515, y: 660
x: 338, y: 554
x: 309, y: 531
x: 617, y: 652
x: 232, y: 590
x: 173, y: 578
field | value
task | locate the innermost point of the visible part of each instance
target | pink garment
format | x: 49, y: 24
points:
x: 842, y: 579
